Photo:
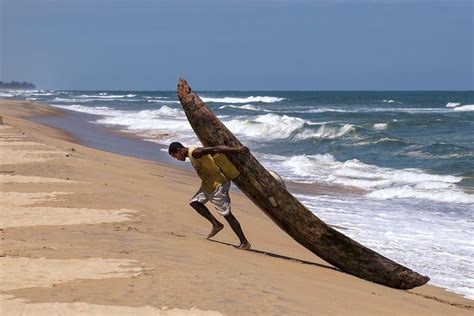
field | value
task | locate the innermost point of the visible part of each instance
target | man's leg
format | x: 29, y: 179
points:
x: 204, y: 211
x: 221, y: 200
x: 234, y: 223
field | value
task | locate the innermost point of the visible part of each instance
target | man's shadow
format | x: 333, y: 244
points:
x: 274, y: 255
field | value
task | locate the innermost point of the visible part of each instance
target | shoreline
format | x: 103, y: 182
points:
x: 158, y: 194
x: 73, y: 124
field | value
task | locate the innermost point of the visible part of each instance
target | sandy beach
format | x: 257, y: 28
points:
x: 90, y: 232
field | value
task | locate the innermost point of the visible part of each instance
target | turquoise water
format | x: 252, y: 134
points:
x: 411, y: 151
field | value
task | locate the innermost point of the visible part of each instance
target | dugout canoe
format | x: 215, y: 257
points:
x: 288, y: 213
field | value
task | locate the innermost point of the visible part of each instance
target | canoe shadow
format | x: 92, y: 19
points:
x: 274, y: 255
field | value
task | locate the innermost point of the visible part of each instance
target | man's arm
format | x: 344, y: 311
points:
x: 199, y: 152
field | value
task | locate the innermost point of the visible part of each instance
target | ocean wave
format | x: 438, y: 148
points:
x: 382, y: 183
x: 270, y: 126
x: 370, y: 110
x: 96, y: 110
x: 164, y: 121
x: 159, y: 125
x: 467, y: 107
x: 389, y: 101
x: 263, y: 99
x: 74, y: 100
x: 248, y: 107
x: 408, y: 110
x: 106, y: 96
x: 424, y: 232
x: 162, y: 101
x: 380, y: 126
x: 42, y: 94
x: 322, y: 110
x: 438, y: 150
x: 326, y: 131
x: 449, y: 195
x: 273, y: 126
x: 148, y: 97
x: 86, y: 100
x: 383, y: 140
x: 452, y: 104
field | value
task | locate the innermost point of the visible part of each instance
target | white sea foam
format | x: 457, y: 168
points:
x: 467, y: 107
x: 371, y: 109
x: 380, y: 126
x: 407, y: 110
x: 163, y: 120
x: 75, y: 100
x: 273, y: 126
x: 322, y: 110
x: 424, y: 155
x: 425, y: 232
x: 160, y: 125
x: 371, y: 142
x: 270, y: 126
x: 389, y: 101
x: 96, y: 110
x: 264, y: 99
x: 248, y: 107
x: 106, y: 96
x: 327, y: 132
x: 409, y: 192
x: 162, y: 101
x: 23, y: 93
x: 381, y: 183
x: 452, y: 104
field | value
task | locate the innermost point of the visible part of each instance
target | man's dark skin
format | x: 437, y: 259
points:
x: 181, y: 154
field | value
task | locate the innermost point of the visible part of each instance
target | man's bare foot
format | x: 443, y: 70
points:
x: 244, y: 246
x: 215, y: 229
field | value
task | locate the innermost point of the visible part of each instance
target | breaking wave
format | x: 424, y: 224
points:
x: 248, y: 107
x: 162, y: 101
x: 273, y: 126
x: 467, y: 107
x: 263, y: 99
x: 106, y: 96
x: 381, y: 183
x: 380, y: 126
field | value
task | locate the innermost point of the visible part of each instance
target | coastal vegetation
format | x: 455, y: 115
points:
x: 16, y: 85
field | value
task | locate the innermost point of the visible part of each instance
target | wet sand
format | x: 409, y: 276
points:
x: 93, y: 232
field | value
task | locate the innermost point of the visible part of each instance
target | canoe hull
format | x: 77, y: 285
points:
x: 288, y: 213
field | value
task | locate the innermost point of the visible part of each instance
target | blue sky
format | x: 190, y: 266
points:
x: 238, y: 45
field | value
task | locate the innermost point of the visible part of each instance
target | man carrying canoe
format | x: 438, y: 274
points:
x: 214, y: 186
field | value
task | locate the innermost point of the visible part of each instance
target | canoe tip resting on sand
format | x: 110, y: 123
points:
x: 260, y: 186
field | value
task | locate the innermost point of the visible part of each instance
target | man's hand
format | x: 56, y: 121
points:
x: 243, y: 150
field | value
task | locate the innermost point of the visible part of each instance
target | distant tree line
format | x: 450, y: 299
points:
x: 17, y: 85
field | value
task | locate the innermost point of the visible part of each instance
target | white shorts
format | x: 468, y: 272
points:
x: 219, y: 198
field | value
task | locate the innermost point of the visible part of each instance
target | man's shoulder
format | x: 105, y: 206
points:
x: 192, y: 151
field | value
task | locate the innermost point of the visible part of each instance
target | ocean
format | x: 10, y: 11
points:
x: 410, y: 153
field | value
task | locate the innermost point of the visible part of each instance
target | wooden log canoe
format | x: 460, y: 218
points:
x: 288, y: 213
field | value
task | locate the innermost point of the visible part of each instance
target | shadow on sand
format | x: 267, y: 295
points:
x: 274, y: 255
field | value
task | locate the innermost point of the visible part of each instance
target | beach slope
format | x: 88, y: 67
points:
x: 87, y: 231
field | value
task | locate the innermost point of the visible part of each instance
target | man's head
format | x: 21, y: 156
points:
x: 178, y: 151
